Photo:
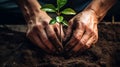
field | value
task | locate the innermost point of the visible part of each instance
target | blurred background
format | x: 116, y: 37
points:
x: 11, y: 17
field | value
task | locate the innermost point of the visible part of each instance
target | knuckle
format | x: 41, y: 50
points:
x: 56, y: 25
x: 88, y: 44
x: 45, y: 23
x: 37, y: 26
x: 83, y: 41
x: 91, y: 33
x: 77, y: 37
x: 78, y: 33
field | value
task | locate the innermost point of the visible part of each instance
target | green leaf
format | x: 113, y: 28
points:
x: 65, y: 23
x: 61, y: 3
x: 49, y: 8
x: 68, y: 11
x: 53, y: 21
x: 59, y: 18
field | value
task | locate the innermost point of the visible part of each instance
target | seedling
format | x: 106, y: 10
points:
x: 59, y: 18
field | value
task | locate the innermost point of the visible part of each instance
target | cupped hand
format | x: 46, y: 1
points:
x: 82, y: 32
x: 44, y: 35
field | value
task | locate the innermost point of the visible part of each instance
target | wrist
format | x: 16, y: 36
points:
x: 30, y: 8
x: 100, y: 7
x: 95, y: 13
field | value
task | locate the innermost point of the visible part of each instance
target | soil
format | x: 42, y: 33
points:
x: 17, y: 51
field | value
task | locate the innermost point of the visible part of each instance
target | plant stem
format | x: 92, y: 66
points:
x: 58, y: 13
x: 60, y: 33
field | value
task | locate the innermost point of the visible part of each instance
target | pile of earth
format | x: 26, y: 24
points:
x: 17, y: 51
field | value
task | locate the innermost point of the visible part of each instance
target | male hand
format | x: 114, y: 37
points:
x: 44, y: 35
x: 82, y: 32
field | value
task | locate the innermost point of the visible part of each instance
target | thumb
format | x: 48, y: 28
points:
x: 68, y: 32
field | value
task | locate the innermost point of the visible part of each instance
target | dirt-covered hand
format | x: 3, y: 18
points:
x: 44, y: 35
x: 82, y: 32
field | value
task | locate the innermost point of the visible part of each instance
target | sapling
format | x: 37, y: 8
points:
x: 59, y: 13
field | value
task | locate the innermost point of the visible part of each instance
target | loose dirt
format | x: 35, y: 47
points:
x: 17, y: 51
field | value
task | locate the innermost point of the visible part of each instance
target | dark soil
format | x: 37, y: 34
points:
x: 17, y: 51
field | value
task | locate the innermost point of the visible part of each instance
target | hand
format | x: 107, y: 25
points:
x: 82, y: 32
x: 44, y: 35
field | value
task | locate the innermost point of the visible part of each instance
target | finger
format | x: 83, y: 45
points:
x: 35, y: 39
x: 69, y: 31
x: 83, y: 40
x: 74, y: 40
x: 70, y: 44
x: 87, y: 41
x: 45, y: 40
x: 79, y: 47
x: 89, y: 33
x: 53, y: 38
x: 82, y: 48
x: 74, y: 53
x: 96, y: 33
x: 77, y: 35
x: 79, y: 50
x: 92, y: 41
x: 42, y: 35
